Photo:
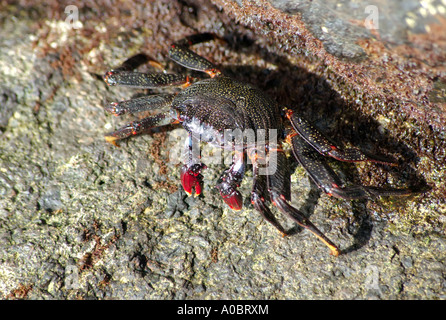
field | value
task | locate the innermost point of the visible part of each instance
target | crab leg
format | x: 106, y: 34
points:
x: 297, y: 216
x: 144, y: 80
x: 124, y: 76
x: 259, y: 199
x: 327, y: 180
x: 181, y: 54
x: 319, y: 142
x: 138, y: 127
x: 279, y: 190
x: 146, y: 103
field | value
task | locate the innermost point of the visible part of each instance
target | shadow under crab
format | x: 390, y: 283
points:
x: 210, y: 108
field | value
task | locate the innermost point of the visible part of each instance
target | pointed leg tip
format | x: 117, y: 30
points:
x: 112, y: 140
x: 335, y: 252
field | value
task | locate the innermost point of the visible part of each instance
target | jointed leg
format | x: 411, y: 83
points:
x: 319, y: 142
x: 327, y: 180
x: 124, y: 76
x: 138, y: 127
x: 278, y: 186
x: 145, y: 80
x: 283, y: 205
x: 181, y: 54
x: 146, y: 103
x: 260, y: 199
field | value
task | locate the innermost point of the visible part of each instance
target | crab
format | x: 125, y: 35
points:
x: 209, y: 107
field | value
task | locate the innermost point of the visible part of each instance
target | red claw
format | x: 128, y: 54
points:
x: 191, y: 180
x: 234, y: 200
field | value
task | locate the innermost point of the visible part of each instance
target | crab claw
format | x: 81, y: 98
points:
x: 233, y: 200
x: 191, y: 179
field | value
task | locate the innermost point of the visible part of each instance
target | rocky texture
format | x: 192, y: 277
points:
x: 80, y: 218
x: 393, y: 51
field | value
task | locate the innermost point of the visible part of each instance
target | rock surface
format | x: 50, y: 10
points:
x: 81, y: 219
x: 395, y: 51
